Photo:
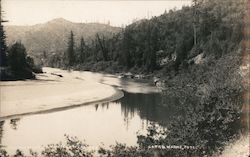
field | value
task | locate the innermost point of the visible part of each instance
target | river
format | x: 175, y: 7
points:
x: 97, y: 123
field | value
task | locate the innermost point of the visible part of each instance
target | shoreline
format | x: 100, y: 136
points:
x: 59, y: 93
x: 118, y: 94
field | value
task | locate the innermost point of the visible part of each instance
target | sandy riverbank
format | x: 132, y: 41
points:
x: 51, y: 92
x: 239, y: 148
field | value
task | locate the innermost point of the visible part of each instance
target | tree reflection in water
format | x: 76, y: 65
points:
x: 148, y: 106
x: 1, y: 132
x: 14, y: 123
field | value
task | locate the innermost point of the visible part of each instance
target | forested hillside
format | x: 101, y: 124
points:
x: 212, y: 28
x: 51, y: 38
x: 177, y: 38
x: 205, y: 31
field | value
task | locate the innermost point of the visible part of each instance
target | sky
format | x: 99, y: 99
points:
x: 118, y: 13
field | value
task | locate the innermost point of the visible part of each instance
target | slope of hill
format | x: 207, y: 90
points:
x: 52, y: 36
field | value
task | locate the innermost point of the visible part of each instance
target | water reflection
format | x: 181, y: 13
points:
x: 14, y: 123
x: 96, y: 107
x: 1, y: 132
x: 148, y: 106
x: 107, y: 123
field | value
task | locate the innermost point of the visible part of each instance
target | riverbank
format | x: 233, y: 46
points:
x: 53, y: 90
x: 239, y: 148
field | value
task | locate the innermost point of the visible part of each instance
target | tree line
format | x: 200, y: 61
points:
x: 15, y: 64
x: 168, y: 42
x: 165, y: 43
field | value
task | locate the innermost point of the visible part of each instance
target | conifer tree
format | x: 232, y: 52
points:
x: 17, y: 55
x: 82, y: 50
x: 3, y: 47
x: 71, y: 50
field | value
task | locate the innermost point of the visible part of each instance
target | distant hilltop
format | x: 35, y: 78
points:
x: 52, y: 36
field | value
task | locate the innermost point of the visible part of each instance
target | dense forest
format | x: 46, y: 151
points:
x: 176, y: 39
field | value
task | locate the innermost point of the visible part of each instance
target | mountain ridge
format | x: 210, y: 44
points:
x: 52, y: 36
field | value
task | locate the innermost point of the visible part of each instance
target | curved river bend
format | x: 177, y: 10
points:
x: 96, y: 124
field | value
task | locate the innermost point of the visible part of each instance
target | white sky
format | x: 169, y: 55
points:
x: 30, y: 12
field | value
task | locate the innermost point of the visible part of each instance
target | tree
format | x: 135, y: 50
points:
x: 82, y: 50
x: 154, y: 46
x: 30, y: 61
x: 101, y: 43
x: 126, y: 49
x: 3, y: 47
x: 195, y: 21
x: 196, y: 4
x: 71, y: 50
x: 18, y: 61
x: 17, y: 57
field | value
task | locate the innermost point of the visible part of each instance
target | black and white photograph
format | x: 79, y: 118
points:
x: 124, y: 78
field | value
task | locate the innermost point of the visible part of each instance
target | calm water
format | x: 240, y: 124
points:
x: 104, y: 123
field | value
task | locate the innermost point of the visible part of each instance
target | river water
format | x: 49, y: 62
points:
x: 96, y: 124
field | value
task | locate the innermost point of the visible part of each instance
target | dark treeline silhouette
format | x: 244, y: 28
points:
x: 3, y: 47
x: 14, y: 62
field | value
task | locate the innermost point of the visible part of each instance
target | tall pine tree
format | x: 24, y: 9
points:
x: 71, y: 50
x: 3, y: 47
x: 82, y: 50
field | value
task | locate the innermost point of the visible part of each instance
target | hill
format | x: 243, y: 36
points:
x: 52, y: 36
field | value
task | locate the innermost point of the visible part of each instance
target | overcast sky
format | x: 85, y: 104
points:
x: 30, y: 12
